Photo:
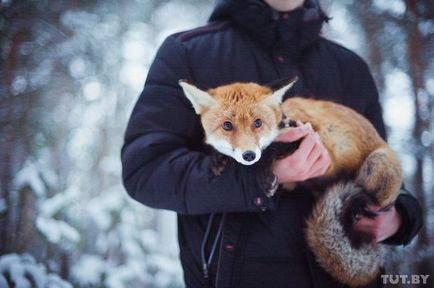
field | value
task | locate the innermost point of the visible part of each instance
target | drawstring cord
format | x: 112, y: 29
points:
x: 206, y: 262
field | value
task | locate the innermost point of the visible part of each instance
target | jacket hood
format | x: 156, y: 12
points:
x: 294, y: 29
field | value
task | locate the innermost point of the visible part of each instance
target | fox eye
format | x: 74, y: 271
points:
x: 228, y: 126
x: 257, y: 123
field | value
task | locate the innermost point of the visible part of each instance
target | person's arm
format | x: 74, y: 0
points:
x: 408, y: 210
x: 163, y: 162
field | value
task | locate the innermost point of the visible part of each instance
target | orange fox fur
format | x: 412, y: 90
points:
x: 353, y: 144
x: 358, y: 156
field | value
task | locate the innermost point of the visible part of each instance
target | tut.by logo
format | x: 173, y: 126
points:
x: 404, y: 279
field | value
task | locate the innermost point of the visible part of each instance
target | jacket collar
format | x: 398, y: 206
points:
x: 290, y: 31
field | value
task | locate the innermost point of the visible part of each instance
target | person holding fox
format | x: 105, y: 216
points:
x: 231, y: 233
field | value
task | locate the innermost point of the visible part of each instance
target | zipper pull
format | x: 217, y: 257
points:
x: 205, y: 275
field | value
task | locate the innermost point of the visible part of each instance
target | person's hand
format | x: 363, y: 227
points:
x: 383, y: 226
x: 310, y: 160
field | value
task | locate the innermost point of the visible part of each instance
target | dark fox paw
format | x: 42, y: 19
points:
x: 355, y: 207
x: 286, y: 123
x: 267, y: 181
x: 219, y: 162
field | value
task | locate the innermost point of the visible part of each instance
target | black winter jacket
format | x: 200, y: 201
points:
x: 166, y: 165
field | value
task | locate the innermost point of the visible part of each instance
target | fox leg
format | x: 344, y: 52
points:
x: 264, y: 172
x: 379, y: 180
x: 264, y: 168
x: 218, y: 163
x: 380, y: 176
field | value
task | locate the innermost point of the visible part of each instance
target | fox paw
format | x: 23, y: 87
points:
x: 219, y: 162
x: 354, y: 206
x: 286, y: 123
x: 267, y: 181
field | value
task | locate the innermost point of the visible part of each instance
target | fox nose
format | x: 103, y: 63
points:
x: 249, y: 156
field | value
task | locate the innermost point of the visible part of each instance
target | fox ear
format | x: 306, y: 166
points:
x: 199, y: 98
x: 275, y: 98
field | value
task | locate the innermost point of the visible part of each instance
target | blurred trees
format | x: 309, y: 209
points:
x: 398, y: 42
x: 70, y: 73
x: 420, y: 48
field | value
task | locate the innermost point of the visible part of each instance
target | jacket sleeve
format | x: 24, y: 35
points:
x: 164, y: 165
x: 407, y: 205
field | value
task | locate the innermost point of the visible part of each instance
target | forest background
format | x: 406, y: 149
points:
x: 71, y: 72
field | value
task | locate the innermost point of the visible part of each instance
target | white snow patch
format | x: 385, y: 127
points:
x: 57, y: 230
x: 398, y: 104
x: 30, y: 176
x: 101, y: 209
x: 23, y: 270
x: 92, y: 90
x: 109, y: 28
x: 408, y: 163
x: 133, y: 74
x: 168, y: 270
x: 134, y: 50
x: 89, y: 270
x: 133, y: 271
x: 395, y: 7
x: 430, y: 86
x: 56, y: 203
x: 149, y: 239
x: 341, y: 29
x: 183, y: 16
x: 77, y: 67
x: 111, y: 165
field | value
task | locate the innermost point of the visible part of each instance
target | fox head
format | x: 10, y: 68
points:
x: 239, y: 119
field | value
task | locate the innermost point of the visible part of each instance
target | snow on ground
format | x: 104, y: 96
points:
x: 22, y: 271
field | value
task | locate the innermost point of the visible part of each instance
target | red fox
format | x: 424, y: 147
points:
x: 241, y: 120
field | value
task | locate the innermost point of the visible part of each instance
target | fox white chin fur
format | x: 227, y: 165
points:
x: 264, y: 142
x: 226, y: 148
x: 220, y: 145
